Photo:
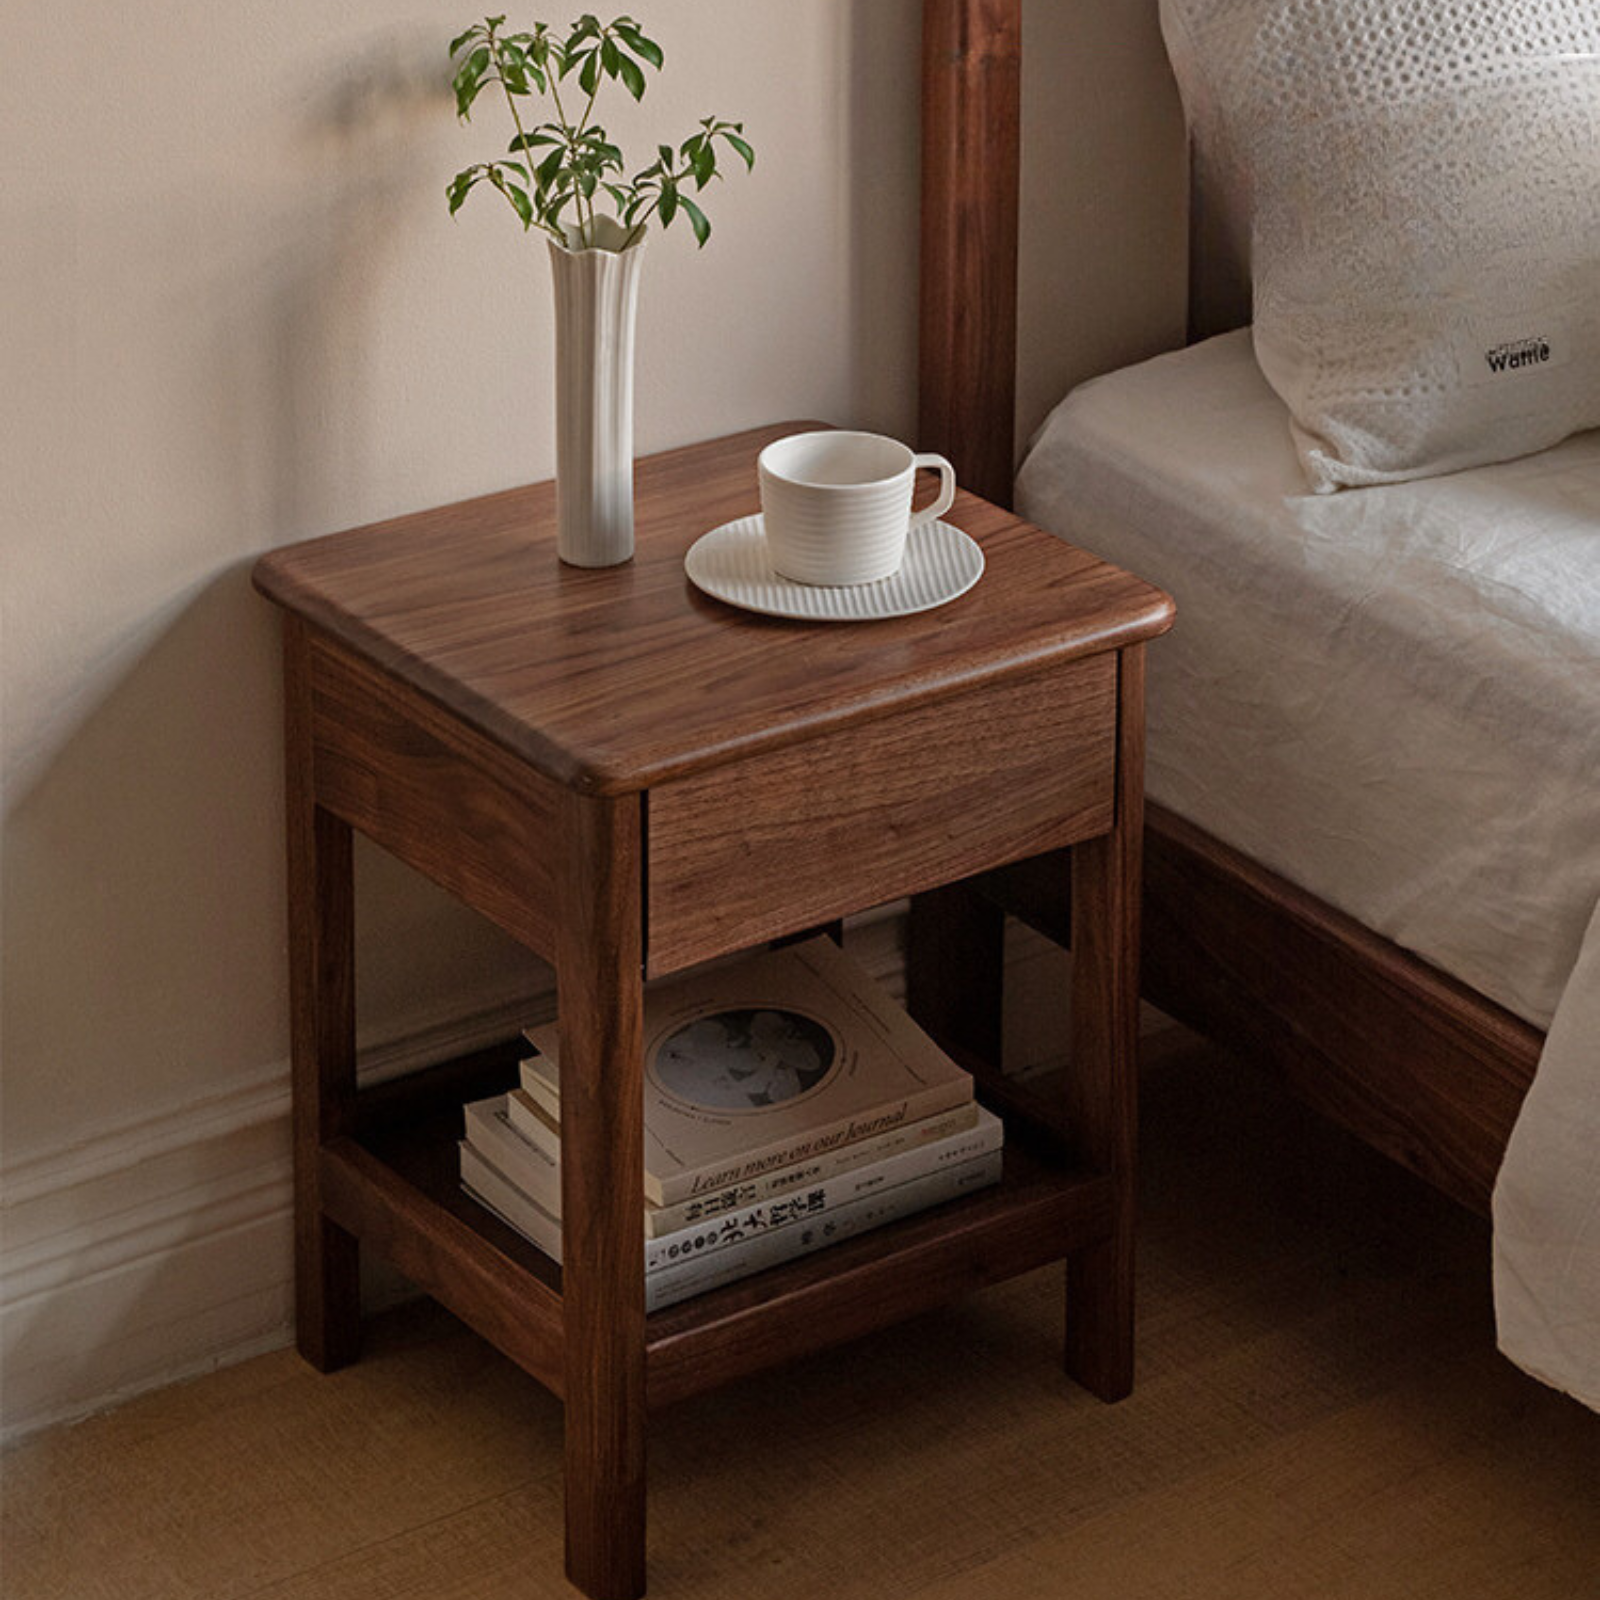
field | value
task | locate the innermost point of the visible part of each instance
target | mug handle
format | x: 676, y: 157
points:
x: 947, y: 490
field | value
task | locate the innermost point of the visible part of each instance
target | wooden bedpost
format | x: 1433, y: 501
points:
x: 971, y: 138
x: 971, y: 156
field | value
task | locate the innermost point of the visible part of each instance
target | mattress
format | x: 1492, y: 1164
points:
x: 1390, y: 696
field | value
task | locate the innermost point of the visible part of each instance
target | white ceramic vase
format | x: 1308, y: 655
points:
x: 596, y: 297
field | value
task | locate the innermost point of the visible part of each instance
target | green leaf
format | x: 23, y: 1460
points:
x: 743, y: 149
x: 609, y: 57
x: 531, y: 141
x: 632, y: 77
x: 697, y: 221
x: 704, y: 165
x: 515, y: 193
x: 645, y: 49
x: 469, y: 80
x: 460, y: 186
x: 589, y: 77
x: 548, y: 168
x: 462, y: 38
x: 669, y: 202
x: 665, y: 152
x: 519, y: 198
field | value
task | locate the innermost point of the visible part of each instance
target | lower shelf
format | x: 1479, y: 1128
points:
x: 396, y: 1186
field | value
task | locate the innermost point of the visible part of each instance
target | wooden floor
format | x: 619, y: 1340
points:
x: 1320, y: 1412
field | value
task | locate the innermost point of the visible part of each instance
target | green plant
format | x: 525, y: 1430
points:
x: 556, y: 171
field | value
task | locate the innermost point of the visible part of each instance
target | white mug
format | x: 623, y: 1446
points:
x: 837, y: 505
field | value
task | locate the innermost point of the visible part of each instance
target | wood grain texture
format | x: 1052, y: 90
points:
x: 955, y: 968
x: 321, y: 903
x: 850, y: 1289
x: 1414, y: 1062
x: 439, y: 796
x: 1320, y: 1412
x: 971, y: 165
x: 445, y: 1255
x: 600, y: 999
x: 1102, y: 1113
x: 507, y: 725
x: 1406, y: 1057
x: 879, y: 809
x: 615, y: 680
x: 1429, y: 1072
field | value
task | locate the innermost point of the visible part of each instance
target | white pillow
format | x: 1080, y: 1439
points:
x: 1423, y: 178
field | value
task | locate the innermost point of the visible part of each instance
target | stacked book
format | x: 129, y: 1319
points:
x: 789, y: 1104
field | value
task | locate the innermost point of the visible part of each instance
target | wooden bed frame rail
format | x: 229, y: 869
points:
x: 1420, y: 1066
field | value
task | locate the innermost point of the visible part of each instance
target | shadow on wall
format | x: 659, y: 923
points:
x: 360, y: 137
x: 142, y: 872
x: 221, y: 374
x: 885, y: 55
x: 143, y: 906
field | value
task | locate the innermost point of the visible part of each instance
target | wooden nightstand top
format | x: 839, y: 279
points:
x: 615, y: 680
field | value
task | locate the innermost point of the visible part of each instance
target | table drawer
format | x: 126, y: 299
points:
x: 899, y: 803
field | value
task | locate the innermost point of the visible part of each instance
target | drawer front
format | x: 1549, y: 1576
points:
x: 901, y: 803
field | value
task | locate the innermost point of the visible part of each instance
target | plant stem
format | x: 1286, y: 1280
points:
x: 527, y: 149
x: 583, y: 122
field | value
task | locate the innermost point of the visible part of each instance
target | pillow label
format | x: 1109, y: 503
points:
x: 1514, y: 347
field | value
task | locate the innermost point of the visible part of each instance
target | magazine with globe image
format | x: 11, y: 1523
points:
x: 788, y: 1103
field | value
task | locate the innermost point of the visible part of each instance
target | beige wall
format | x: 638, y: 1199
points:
x: 234, y: 315
x: 242, y: 317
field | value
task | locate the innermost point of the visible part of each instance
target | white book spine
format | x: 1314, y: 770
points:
x: 528, y: 1163
x: 711, y: 1269
x: 492, y: 1188
x: 915, y: 1136
x: 820, y: 1200
x: 544, y: 1166
x: 698, y: 1274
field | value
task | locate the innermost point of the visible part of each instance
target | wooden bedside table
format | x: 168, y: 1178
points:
x: 630, y: 778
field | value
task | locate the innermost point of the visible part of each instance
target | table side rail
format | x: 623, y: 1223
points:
x: 446, y: 1258
x: 865, y: 1284
x: 443, y: 799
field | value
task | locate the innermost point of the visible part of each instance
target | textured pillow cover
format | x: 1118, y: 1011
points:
x: 1423, y: 183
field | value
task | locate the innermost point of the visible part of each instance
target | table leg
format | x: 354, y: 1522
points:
x: 955, y: 969
x: 1103, y: 1114
x: 322, y: 1006
x: 599, y: 992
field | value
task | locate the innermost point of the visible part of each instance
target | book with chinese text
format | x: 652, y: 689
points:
x: 523, y: 1139
x: 726, y: 1248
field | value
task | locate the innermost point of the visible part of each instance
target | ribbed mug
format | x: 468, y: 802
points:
x: 837, y: 505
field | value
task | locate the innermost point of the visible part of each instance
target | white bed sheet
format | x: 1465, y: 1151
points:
x: 1391, y: 696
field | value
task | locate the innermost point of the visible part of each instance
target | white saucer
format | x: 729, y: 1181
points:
x: 730, y: 563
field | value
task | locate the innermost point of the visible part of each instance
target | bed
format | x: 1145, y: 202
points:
x: 1372, y: 857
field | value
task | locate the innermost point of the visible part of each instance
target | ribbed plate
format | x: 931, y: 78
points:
x: 730, y: 563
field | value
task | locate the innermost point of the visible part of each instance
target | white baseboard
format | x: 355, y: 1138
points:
x: 162, y: 1248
